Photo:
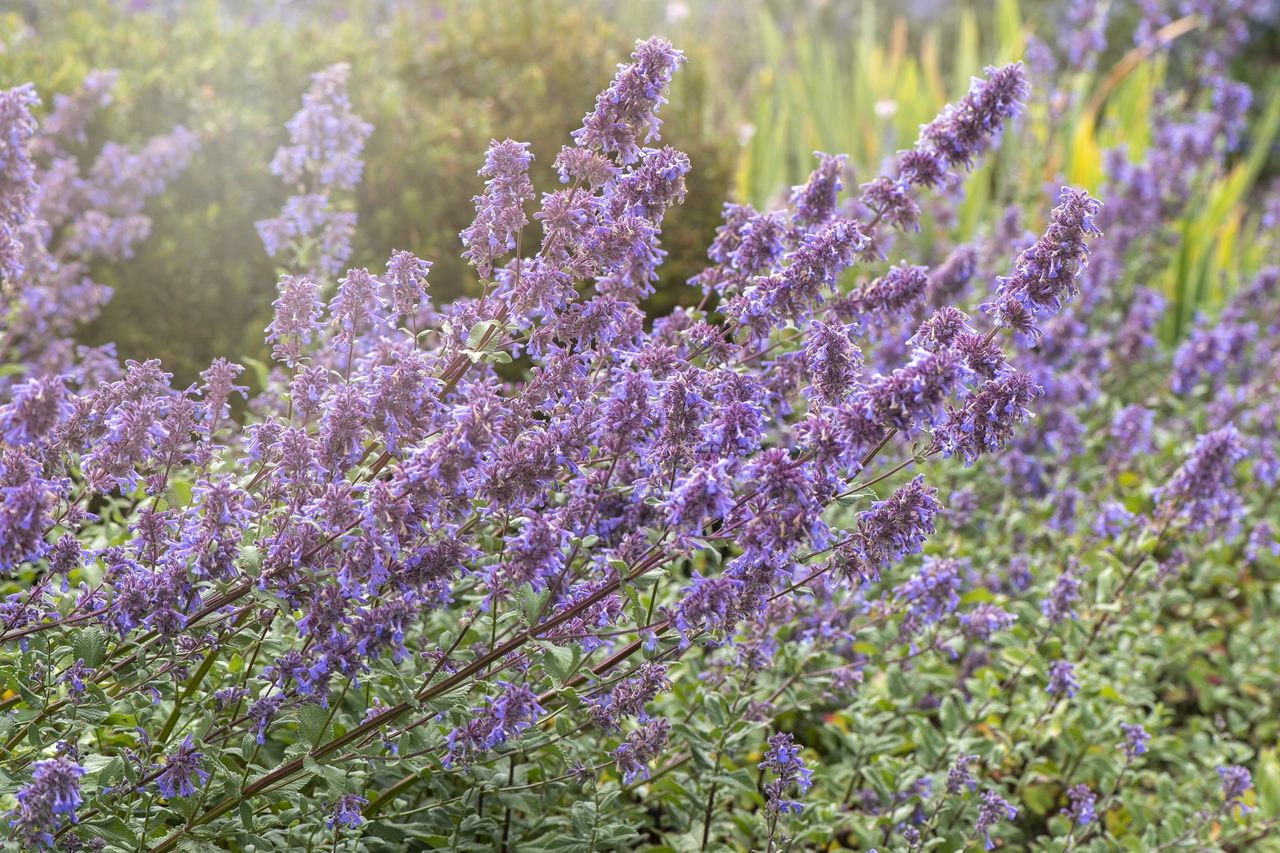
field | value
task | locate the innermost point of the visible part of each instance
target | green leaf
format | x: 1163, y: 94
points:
x: 311, y: 724
x: 89, y: 645
x: 561, y: 662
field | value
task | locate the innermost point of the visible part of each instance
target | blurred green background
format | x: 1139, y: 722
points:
x: 766, y: 84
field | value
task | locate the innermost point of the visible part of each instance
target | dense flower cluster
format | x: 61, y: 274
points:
x: 321, y: 159
x: 535, y: 547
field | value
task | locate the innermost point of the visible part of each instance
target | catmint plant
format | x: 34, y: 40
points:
x: 534, y: 567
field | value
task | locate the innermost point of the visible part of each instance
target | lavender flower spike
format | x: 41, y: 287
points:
x: 500, y: 211
x: 626, y: 112
x: 1044, y: 276
x: 54, y: 791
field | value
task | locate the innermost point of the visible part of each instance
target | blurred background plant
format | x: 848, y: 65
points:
x: 768, y: 84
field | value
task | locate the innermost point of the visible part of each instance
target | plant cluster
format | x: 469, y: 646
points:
x: 908, y: 556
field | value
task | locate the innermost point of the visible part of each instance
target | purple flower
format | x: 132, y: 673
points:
x: 991, y: 811
x: 907, y: 399
x: 984, y: 620
x: 986, y: 420
x: 1135, y: 740
x: 948, y: 280
x: 941, y: 330
x: 325, y: 136
x: 782, y: 758
x: 626, y: 113
x: 702, y: 495
x: 500, y: 211
x: 182, y: 773
x: 964, y: 130
x: 958, y: 776
x: 641, y: 746
x: 356, y: 309
x: 1236, y: 781
x: 1045, y: 275
x: 346, y: 812
x: 407, y: 275
x: 1062, y: 679
x: 1081, y: 810
x: 932, y: 593
x: 891, y: 529
x: 34, y: 410
x: 1200, y: 490
x: 54, y: 791
x: 1065, y: 592
x: 833, y: 363
x: 1131, y: 432
x: 297, y: 318
x: 890, y: 199
x: 1261, y: 538
x: 505, y: 716
x: 218, y: 384
x: 815, y: 201
x: 26, y: 506
x: 17, y: 174
x: 893, y: 295
x: 629, y: 697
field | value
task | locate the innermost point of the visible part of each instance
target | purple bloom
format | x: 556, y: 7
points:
x: 505, y: 716
x: 890, y: 199
x: 1200, y: 490
x: 1045, y: 275
x: 1081, y: 809
x: 893, y: 295
x: 984, y: 620
x: 833, y: 363
x: 907, y: 399
x: 964, y: 130
x: 1064, y: 593
x: 930, y: 594
x: 941, y: 330
x: 782, y: 758
x: 986, y: 420
x: 54, y: 791
x: 641, y: 746
x: 356, y: 309
x: 1131, y: 432
x: 1261, y: 538
x: 407, y: 275
x: 34, y: 410
x: 1062, y: 679
x: 948, y: 280
x: 958, y: 776
x: 704, y: 494
x: 626, y: 113
x: 891, y: 529
x: 1236, y: 781
x: 26, y: 506
x: 815, y: 201
x: 346, y: 812
x: 218, y: 384
x: 991, y: 811
x: 297, y: 318
x: 500, y: 211
x: 325, y: 136
x: 182, y: 773
x: 17, y: 174
x: 629, y: 697
x: 1135, y: 740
